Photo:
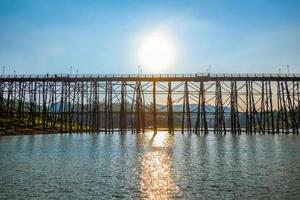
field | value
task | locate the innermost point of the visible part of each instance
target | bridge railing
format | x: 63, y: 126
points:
x: 151, y: 75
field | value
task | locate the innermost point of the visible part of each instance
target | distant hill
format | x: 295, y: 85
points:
x: 161, y: 108
x: 193, y: 108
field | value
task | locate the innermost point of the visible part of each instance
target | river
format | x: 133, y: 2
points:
x: 140, y: 166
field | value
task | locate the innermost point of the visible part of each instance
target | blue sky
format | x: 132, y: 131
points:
x: 102, y: 36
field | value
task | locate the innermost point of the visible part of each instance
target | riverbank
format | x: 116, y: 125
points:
x: 12, y: 126
x: 27, y: 131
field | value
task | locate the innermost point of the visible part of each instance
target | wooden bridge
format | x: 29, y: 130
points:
x: 200, y: 103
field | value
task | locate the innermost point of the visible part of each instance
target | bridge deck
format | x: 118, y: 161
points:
x: 151, y: 77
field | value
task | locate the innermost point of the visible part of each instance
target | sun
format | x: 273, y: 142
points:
x: 156, y: 52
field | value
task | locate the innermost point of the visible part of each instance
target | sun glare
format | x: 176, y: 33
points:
x: 156, y: 52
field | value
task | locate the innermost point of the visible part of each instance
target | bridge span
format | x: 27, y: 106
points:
x: 199, y: 103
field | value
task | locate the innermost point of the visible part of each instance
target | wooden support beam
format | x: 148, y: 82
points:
x: 271, y: 108
x: 123, y: 108
x: 154, y: 106
x: 204, y: 127
x: 170, y: 110
x: 186, y: 111
x: 219, y: 125
x: 198, y: 120
x: 73, y: 104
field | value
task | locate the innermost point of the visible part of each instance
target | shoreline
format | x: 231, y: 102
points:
x: 28, y: 131
x: 42, y: 131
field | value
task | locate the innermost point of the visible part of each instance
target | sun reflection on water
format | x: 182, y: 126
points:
x: 156, y: 167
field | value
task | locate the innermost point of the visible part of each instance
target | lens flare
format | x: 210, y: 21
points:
x: 156, y: 52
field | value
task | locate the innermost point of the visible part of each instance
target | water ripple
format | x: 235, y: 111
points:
x: 145, y: 166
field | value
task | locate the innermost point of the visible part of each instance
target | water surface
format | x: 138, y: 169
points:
x: 106, y: 166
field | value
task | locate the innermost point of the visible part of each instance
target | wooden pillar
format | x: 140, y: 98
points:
x: 154, y: 107
x: 271, y: 108
x: 290, y: 113
x: 9, y: 99
x: 286, y: 118
x: 219, y: 126
x: 262, y: 110
x: 233, y: 108
x: 183, y: 112
x: 235, y: 127
x: 247, y: 108
x: 189, y: 123
x: 267, y: 107
x: 61, y: 109
x: 19, y: 103
x: 70, y: 111
x: 137, y: 109
x: 294, y: 101
x: 279, y: 110
x: 35, y: 104
x: 77, y: 97
x: 170, y: 110
x: 96, y: 107
x: 105, y: 107
x: 110, y: 107
x: 197, y: 124
x: 1, y: 97
x: 186, y: 110
x: 204, y: 127
x: 298, y: 106
x: 132, y: 111
x: 82, y: 106
x: 122, y: 119
x: 253, y: 112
